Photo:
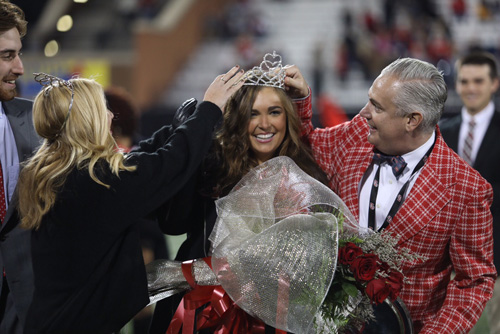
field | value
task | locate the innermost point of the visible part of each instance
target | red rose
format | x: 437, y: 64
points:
x: 395, y: 283
x: 384, y: 267
x: 364, y: 267
x: 349, y: 253
x: 377, y: 290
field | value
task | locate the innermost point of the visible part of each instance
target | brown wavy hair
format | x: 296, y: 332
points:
x: 232, y: 144
x: 12, y: 17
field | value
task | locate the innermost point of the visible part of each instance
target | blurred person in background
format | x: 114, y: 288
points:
x: 18, y: 140
x: 125, y: 117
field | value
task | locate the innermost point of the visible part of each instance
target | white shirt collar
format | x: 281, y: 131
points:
x: 482, y: 117
x: 412, y: 158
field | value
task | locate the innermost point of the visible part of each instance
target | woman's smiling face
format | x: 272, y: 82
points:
x: 267, y: 125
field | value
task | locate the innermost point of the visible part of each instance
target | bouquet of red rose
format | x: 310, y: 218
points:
x: 286, y: 251
x: 376, y: 278
x: 367, y: 273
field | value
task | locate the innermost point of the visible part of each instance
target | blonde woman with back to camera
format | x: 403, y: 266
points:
x: 81, y: 197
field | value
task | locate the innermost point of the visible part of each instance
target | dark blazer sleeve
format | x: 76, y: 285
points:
x: 162, y: 173
x: 158, y: 139
x: 487, y: 163
x: 15, y: 248
x: 183, y: 209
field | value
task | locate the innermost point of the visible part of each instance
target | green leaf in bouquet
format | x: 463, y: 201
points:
x: 350, y: 289
x: 349, y: 279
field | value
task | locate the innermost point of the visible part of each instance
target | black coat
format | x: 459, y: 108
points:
x: 89, y: 272
x: 487, y: 164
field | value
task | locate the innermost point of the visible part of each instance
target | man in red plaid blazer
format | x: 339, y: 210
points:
x: 444, y: 215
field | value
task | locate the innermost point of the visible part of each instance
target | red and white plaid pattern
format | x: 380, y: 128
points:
x: 445, y: 218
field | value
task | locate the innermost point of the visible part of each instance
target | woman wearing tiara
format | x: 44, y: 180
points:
x: 81, y: 197
x: 260, y: 122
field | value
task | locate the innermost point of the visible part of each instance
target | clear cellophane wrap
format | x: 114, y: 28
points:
x: 274, y: 247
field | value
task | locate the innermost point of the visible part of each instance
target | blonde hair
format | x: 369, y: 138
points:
x: 80, y: 142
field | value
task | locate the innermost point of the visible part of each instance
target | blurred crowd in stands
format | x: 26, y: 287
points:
x: 243, y: 24
x: 369, y: 42
x: 407, y: 29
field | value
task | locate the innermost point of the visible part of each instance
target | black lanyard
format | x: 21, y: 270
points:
x: 399, y: 199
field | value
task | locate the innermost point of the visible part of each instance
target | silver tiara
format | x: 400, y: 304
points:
x: 270, y: 72
x: 50, y: 81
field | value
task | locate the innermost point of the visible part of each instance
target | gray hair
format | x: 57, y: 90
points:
x: 422, y: 88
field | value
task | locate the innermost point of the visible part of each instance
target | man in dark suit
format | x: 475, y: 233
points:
x: 18, y: 140
x: 476, y: 83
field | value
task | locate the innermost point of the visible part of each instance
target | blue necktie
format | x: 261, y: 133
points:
x: 397, y: 162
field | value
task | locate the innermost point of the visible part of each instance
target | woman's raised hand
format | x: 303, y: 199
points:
x: 295, y: 84
x: 224, y: 86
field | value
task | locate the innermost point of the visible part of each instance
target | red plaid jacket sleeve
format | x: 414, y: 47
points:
x: 304, y: 110
x: 330, y: 145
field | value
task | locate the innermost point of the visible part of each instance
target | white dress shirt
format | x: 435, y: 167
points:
x: 389, y: 185
x: 482, y: 120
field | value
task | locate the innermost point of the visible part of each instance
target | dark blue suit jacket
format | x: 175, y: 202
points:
x: 15, y: 250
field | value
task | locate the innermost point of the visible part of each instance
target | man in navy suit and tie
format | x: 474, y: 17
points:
x: 18, y: 140
x: 475, y: 135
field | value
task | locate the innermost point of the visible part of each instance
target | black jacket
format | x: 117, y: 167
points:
x: 89, y: 271
x: 487, y: 163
